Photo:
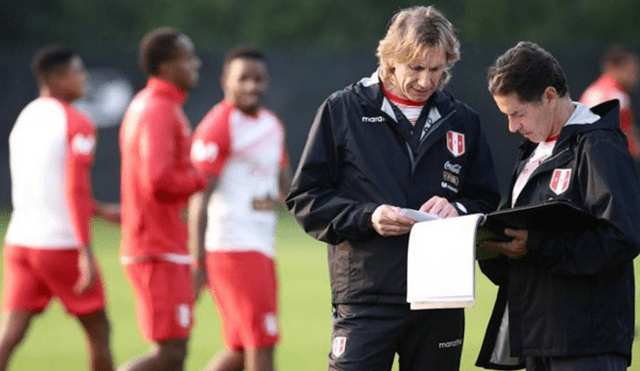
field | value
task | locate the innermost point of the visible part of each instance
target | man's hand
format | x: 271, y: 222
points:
x: 515, y: 248
x: 439, y: 206
x: 87, y: 269
x: 264, y: 204
x: 108, y: 212
x: 199, y: 277
x: 388, y: 221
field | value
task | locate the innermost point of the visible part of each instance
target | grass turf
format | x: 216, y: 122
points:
x: 55, y: 340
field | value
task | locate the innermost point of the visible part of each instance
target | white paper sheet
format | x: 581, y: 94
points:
x: 418, y: 216
x: 441, y: 263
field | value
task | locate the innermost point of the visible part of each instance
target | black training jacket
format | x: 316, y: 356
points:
x: 572, y: 294
x: 357, y: 157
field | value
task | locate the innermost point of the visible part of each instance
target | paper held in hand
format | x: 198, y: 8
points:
x: 442, y: 252
x: 441, y: 263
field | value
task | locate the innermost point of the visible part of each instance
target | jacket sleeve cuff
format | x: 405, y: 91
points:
x: 365, y: 221
x: 460, y: 208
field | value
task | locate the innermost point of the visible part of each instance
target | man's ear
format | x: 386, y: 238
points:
x: 165, y: 69
x: 550, y: 95
x: 223, y: 79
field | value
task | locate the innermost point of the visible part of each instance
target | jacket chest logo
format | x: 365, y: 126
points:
x: 455, y: 143
x: 560, y: 180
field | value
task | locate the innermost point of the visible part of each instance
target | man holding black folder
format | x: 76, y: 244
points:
x: 566, y: 297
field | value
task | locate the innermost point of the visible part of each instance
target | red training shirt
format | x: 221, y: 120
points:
x: 157, y: 175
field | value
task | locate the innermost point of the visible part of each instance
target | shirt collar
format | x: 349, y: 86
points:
x: 167, y: 88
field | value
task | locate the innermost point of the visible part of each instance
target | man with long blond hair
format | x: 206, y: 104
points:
x: 391, y: 141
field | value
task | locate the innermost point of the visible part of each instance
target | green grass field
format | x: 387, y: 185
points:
x: 55, y: 341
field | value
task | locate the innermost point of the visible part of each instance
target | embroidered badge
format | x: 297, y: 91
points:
x: 339, y: 345
x: 560, y: 180
x: 455, y: 143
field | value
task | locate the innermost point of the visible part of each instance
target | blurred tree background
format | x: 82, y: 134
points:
x: 327, y: 24
x: 315, y: 46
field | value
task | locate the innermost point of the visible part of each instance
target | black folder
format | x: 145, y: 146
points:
x: 556, y: 215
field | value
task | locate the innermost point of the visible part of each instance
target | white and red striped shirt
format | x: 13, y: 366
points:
x: 51, y: 150
x: 245, y: 152
x: 410, y: 109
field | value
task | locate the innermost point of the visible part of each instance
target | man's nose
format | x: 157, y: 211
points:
x: 514, y: 125
x: 426, y: 79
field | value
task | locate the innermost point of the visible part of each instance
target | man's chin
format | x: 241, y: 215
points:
x: 422, y: 98
x: 251, y: 109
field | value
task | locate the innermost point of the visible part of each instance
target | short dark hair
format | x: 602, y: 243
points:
x: 617, y: 55
x: 244, y: 52
x: 156, y: 47
x: 50, y: 59
x: 527, y: 70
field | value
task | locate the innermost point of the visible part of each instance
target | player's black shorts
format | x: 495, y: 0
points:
x: 367, y: 336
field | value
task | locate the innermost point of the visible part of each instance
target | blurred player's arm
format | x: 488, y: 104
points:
x: 284, y: 182
x: 81, y: 145
x: 164, y: 177
x: 197, y: 228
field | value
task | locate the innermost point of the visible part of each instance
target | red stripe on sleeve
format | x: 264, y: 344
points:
x: 80, y: 152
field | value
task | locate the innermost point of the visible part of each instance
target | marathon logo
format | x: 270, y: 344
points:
x: 373, y: 119
x: 448, y: 186
x: 450, y: 344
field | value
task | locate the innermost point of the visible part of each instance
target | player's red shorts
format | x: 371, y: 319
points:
x: 164, y: 298
x: 244, y: 289
x: 31, y: 277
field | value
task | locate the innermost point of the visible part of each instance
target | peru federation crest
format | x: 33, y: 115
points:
x: 455, y: 143
x: 339, y: 345
x: 560, y: 180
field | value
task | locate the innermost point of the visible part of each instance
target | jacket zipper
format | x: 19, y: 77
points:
x: 432, y: 129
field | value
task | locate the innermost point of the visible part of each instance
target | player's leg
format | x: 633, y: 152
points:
x: 219, y: 265
x: 96, y: 327
x: 227, y: 360
x: 14, y: 326
x: 59, y: 270
x: 260, y: 359
x: 432, y: 340
x: 24, y: 295
x: 164, y: 302
x: 247, y: 304
x: 365, y: 336
x: 166, y: 355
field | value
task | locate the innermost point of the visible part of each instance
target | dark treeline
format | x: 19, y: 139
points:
x: 326, y: 24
